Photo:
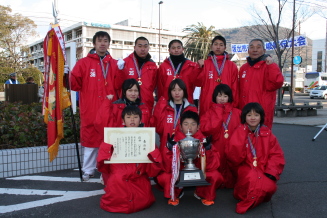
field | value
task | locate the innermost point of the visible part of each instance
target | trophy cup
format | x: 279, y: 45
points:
x: 190, y: 175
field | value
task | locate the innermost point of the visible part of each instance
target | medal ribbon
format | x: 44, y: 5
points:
x: 256, y: 134
x: 177, y: 114
x: 104, y: 72
x: 215, y: 63
x: 225, y: 125
x: 172, y: 66
x: 175, y: 166
x: 138, y: 70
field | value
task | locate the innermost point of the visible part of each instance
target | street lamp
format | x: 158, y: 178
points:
x: 159, y: 30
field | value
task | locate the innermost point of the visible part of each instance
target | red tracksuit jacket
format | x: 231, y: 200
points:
x: 127, y: 186
x: 253, y: 186
x: 259, y: 84
x: 188, y: 74
x: 207, y: 80
x: 148, y: 78
x: 87, y: 78
x: 212, y: 124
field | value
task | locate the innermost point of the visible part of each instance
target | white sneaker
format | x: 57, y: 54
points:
x: 86, y: 176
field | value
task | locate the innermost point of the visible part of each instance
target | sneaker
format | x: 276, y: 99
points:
x: 86, y: 176
x: 101, y: 179
x: 204, y: 201
x: 173, y: 203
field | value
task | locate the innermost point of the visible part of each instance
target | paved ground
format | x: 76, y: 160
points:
x: 301, y: 192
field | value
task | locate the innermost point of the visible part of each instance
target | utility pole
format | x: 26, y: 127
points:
x: 55, y: 12
x: 292, y: 65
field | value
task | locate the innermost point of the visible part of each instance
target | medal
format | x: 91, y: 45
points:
x: 218, y: 80
x: 226, y: 135
x: 255, y: 163
x: 139, y: 82
x: 174, y: 77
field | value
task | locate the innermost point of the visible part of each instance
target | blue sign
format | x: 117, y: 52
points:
x: 297, y: 60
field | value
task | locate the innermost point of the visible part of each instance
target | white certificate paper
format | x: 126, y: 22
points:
x: 131, y: 145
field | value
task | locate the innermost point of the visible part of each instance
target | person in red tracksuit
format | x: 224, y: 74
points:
x: 190, y: 123
x: 258, y: 157
x: 217, y: 69
x: 177, y: 66
x: 220, y: 121
x: 127, y: 185
x: 166, y: 118
x: 259, y: 79
x: 96, y: 78
x: 141, y: 67
x: 109, y: 114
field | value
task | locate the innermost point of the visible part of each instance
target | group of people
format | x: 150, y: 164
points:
x: 233, y: 121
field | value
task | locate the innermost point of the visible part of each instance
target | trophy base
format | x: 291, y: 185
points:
x: 191, y: 178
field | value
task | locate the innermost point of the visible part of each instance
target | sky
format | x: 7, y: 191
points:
x: 175, y: 14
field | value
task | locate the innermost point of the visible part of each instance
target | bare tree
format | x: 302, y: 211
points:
x: 268, y: 25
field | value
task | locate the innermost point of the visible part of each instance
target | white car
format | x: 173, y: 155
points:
x: 319, y: 92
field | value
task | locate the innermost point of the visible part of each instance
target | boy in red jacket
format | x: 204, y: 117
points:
x: 127, y: 186
x: 207, y: 194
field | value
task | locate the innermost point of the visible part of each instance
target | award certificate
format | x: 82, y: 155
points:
x: 131, y: 145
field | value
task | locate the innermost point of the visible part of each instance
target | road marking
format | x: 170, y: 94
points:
x: 54, y: 179
x: 66, y: 196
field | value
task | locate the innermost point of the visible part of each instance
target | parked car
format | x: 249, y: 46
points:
x: 319, y: 92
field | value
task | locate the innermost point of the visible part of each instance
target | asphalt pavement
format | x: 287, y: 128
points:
x: 301, y: 192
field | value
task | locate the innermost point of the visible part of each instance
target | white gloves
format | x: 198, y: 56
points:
x: 120, y: 64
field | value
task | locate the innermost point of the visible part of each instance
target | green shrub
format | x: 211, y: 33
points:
x: 22, y: 125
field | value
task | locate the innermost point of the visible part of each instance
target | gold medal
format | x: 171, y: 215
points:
x: 226, y: 135
x: 255, y: 164
x: 174, y: 77
x: 218, y: 80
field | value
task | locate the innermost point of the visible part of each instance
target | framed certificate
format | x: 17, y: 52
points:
x: 131, y: 145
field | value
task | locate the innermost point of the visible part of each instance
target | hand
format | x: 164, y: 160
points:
x: 269, y: 60
x: 207, y: 142
x: 270, y: 176
x: 110, y: 97
x: 66, y: 69
x: 201, y: 62
x: 120, y: 64
x: 170, y: 141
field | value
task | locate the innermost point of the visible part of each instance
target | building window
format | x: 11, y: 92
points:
x: 69, y: 36
x: 319, y: 61
x: 79, y: 33
x: 116, y: 42
x: 128, y: 43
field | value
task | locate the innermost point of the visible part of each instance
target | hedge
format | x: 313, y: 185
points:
x: 22, y: 125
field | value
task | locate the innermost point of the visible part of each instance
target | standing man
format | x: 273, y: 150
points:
x: 96, y: 78
x: 13, y: 79
x: 177, y: 66
x: 141, y: 67
x: 259, y: 79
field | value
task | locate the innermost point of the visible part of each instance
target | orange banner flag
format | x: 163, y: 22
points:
x: 56, y: 97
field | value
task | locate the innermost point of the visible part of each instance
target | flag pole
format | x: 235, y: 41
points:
x: 74, y: 128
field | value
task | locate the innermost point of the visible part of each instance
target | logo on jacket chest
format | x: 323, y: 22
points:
x: 170, y: 119
x: 92, y: 73
x: 210, y: 74
x: 244, y: 74
x: 169, y: 72
x: 131, y: 71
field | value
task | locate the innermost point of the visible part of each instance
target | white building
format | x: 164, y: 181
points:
x: 319, y: 55
x: 122, y: 36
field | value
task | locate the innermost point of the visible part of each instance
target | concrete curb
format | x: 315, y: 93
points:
x: 29, y: 160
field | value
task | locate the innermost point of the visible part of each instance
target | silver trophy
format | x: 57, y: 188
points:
x: 190, y: 175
